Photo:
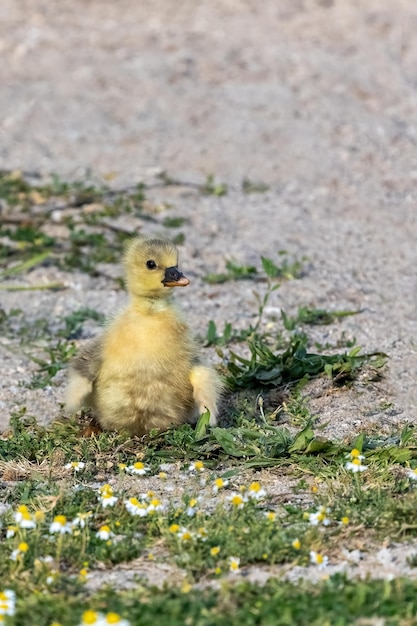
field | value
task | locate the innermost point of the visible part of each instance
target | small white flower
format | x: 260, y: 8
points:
x: 106, y: 496
x: 318, y: 559
x: 234, y: 563
x: 7, y: 602
x: 320, y: 517
x: 23, y: 518
x: 236, y: 499
x: 155, y: 505
x: 255, y: 491
x: 412, y: 473
x: 11, y: 531
x: 77, y: 466
x: 60, y: 525
x: 136, y: 508
x: 21, y: 549
x: 192, y: 507
x: 185, y: 535
x: 80, y: 520
x: 355, y: 466
x: 197, y: 466
x: 355, y: 461
x: 219, y: 484
x: 104, y: 533
x: 139, y: 468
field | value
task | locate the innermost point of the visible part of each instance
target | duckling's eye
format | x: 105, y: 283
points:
x: 150, y: 265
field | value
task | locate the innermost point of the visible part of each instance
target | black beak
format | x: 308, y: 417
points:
x: 174, y: 278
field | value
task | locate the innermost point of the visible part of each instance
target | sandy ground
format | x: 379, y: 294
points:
x: 317, y: 99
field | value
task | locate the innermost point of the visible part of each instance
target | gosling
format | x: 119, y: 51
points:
x: 144, y: 372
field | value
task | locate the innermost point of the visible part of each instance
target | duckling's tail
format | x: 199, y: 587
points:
x: 207, y: 388
x: 78, y: 392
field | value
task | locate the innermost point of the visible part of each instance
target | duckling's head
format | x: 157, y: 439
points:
x: 152, y: 268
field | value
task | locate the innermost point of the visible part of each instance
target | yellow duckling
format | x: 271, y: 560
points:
x: 144, y: 371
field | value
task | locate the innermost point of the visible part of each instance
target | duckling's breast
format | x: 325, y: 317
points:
x: 144, y: 381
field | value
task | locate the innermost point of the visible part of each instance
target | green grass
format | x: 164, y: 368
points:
x: 336, y: 602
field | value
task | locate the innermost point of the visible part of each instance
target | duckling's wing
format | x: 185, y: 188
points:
x: 83, y: 371
x: 88, y: 361
x: 207, y: 389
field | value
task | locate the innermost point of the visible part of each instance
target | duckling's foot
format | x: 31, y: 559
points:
x: 90, y: 430
x: 91, y: 427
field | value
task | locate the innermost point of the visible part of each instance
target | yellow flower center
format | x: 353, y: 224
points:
x: 215, y: 551
x: 23, y: 547
x: 219, y: 482
x: 356, y: 461
x: 60, y: 519
x: 319, y: 559
x: 112, y: 618
x: 296, y: 544
x: 345, y: 520
x: 186, y: 536
x: 90, y: 617
x: 199, y: 465
x: 186, y: 587
x: 174, y: 528
x: 255, y: 487
x: 355, y: 453
x: 237, y: 500
x: 139, y: 465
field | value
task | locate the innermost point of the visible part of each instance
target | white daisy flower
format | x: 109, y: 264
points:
x: 21, y: 549
x: 106, y: 496
x: 234, y: 563
x: 318, y: 559
x: 185, y: 535
x: 192, y: 507
x: 77, y: 466
x: 139, y: 468
x: 197, y: 466
x: 11, y: 531
x: 237, y: 500
x: 320, y: 517
x: 23, y: 518
x: 355, y: 461
x: 355, y: 466
x: 80, y: 520
x: 60, y: 525
x: 255, y: 491
x: 219, y: 484
x: 104, y: 533
x: 155, y: 505
x: 412, y: 473
x: 135, y: 507
x: 7, y: 602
